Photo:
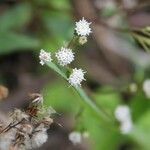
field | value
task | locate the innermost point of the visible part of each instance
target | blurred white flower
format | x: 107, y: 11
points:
x: 146, y: 87
x: 65, y: 56
x: 122, y: 114
x: 44, y: 57
x: 83, y: 27
x: 75, y: 137
x: 76, y: 77
x: 126, y: 126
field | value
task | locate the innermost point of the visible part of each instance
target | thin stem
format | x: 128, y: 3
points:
x: 70, y: 44
x: 82, y: 94
x: 90, y: 102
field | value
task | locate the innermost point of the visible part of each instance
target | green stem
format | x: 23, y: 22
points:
x: 82, y: 94
x: 90, y: 102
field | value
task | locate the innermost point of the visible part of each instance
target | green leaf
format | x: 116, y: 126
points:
x: 16, y: 17
x: 63, y: 4
x: 141, y: 132
x: 61, y: 97
x: 53, y: 20
x: 89, y: 102
x: 108, y: 99
x: 10, y: 42
x: 102, y: 138
x: 139, y: 105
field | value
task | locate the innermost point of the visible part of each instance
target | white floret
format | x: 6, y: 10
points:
x: 122, y: 113
x: 76, y: 77
x: 83, y: 27
x: 65, y: 56
x: 126, y: 126
x: 44, y: 57
x: 75, y: 137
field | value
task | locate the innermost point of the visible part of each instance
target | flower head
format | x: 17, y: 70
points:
x: 146, y: 87
x: 83, y: 27
x: 44, y: 57
x: 126, y: 126
x: 75, y: 137
x: 76, y: 77
x: 122, y: 113
x: 65, y: 56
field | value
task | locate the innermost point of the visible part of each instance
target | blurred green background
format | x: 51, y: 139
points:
x: 113, y: 59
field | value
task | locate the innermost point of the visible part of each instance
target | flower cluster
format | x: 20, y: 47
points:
x: 27, y: 129
x: 83, y: 30
x: 65, y: 55
x: 122, y: 114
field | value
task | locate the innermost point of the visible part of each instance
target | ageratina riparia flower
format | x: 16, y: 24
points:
x: 76, y: 77
x: 122, y: 114
x: 75, y: 137
x: 65, y: 56
x: 83, y: 27
x: 146, y: 87
x: 44, y: 57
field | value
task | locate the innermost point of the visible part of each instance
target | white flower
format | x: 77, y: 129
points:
x: 146, y: 87
x: 82, y: 27
x: 76, y: 77
x: 65, y: 56
x: 122, y: 113
x: 126, y: 126
x: 75, y: 137
x: 44, y: 57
